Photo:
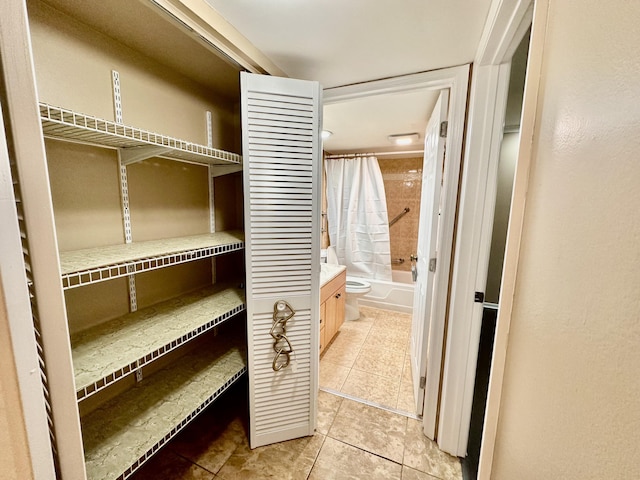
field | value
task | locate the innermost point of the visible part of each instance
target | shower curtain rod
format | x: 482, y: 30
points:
x: 375, y: 154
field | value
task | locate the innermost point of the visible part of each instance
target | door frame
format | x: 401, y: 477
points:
x: 456, y: 79
x: 507, y: 23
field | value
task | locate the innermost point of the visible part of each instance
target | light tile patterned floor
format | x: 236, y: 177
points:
x: 353, y: 441
x: 369, y: 359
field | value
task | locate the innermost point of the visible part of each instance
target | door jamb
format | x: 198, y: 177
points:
x: 456, y: 79
x: 506, y: 24
x: 514, y: 236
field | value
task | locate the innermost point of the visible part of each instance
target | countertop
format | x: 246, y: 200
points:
x: 329, y: 271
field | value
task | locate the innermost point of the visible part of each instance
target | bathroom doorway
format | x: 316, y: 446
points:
x: 504, y: 187
x: 455, y: 81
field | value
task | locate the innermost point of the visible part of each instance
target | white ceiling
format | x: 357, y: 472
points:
x: 338, y: 42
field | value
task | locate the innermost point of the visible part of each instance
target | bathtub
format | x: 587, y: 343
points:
x: 396, y: 295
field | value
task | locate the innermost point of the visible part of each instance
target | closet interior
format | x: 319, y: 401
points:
x: 149, y: 225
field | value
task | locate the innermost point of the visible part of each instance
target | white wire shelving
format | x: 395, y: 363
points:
x: 138, y: 422
x: 93, y: 265
x: 66, y: 124
x: 104, y: 354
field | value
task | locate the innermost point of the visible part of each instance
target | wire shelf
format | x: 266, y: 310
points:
x: 124, y: 432
x: 93, y: 265
x: 108, y: 352
x: 66, y: 124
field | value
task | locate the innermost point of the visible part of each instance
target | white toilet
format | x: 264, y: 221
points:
x: 356, y: 287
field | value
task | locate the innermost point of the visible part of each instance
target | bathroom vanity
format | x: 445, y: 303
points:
x: 332, y: 300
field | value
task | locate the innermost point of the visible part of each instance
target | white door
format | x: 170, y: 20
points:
x: 426, y: 262
x: 281, y: 149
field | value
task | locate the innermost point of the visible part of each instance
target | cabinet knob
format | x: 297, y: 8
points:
x: 338, y: 295
x: 320, y: 320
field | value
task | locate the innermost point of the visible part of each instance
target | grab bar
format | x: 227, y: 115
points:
x: 400, y: 215
x: 397, y: 261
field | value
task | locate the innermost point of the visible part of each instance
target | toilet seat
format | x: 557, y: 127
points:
x: 357, y: 285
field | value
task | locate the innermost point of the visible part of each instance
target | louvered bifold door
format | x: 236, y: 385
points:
x: 281, y: 124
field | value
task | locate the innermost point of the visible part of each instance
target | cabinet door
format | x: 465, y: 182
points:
x: 335, y: 312
x: 340, y: 298
x: 281, y: 149
x: 323, y: 324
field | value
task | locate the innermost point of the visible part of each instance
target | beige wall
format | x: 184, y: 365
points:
x: 402, y: 184
x: 73, y: 66
x: 571, y: 393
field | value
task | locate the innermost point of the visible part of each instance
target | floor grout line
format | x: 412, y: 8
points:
x: 368, y: 451
x: 315, y: 460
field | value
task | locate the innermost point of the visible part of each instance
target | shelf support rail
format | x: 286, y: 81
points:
x: 124, y: 190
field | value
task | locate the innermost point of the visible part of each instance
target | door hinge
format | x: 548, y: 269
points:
x: 478, y: 297
x: 423, y: 382
x: 432, y: 264
x: 444, y: 126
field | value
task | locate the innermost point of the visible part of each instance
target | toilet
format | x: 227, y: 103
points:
x: 356, y: 287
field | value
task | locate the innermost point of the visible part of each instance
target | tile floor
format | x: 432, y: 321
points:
x: 369, y: 359
x: 353, y: 441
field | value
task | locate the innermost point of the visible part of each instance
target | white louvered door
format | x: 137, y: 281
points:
x: 281, y: 121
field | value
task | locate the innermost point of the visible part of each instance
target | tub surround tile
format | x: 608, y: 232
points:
x: 371, y: 429
x: 411, y: 474
x: 328, y: 406
x: 339, y: 461
x: 332, y: 375
x: 380, y: 361
x: 290, y: 460
x: 169, y: 466
x: 403, y: 184
x: 371, y: 387
x: 422, y: 454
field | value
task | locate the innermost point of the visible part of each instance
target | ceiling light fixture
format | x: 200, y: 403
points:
x: 326, y: 134
x: 404, y: 138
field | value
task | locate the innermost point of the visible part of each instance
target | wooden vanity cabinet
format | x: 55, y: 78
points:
x: 332, y: 302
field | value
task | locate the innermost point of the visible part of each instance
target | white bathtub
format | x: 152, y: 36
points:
x: 396, y: 295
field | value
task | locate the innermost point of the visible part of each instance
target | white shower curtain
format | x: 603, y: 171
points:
x: 357, y: 216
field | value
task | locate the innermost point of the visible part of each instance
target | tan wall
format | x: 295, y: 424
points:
x: 570, y: 401
x: 14, y: 451
x: 402, y: 185
x: 73, y: 66
x: 73, y: 70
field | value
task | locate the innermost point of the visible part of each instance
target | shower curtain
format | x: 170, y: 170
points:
x: 357, y: 216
